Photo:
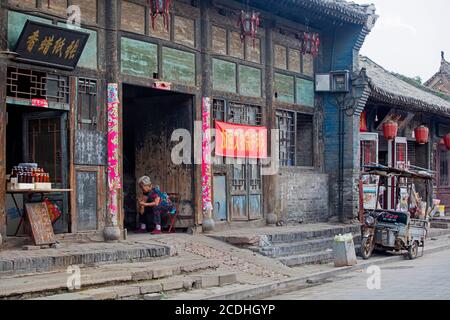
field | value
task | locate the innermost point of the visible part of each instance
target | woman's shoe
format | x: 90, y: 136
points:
x: 156, y: 232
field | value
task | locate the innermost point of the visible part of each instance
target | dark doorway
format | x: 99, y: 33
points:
x: 38, y: 136
x: 149, y: 119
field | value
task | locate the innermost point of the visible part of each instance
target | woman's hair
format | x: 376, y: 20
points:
x: 145, y: 181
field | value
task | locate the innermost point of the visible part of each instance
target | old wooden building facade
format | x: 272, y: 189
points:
x: 413, y: 107
x: 162, y: 73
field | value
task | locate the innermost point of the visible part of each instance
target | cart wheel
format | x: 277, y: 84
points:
x: 413, y: 250
x: 366, y: 248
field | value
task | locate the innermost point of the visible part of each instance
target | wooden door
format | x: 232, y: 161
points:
x: 246, y: 183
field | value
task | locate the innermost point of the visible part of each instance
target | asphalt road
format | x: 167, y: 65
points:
x: 427, y: 278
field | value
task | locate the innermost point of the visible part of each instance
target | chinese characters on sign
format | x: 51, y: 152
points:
x: 241, y: 141
x: 50, y: 45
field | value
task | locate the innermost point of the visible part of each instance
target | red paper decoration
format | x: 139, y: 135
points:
x: 422, y: 134
x: 447, y: 141
x: 159, y: 8
x: 249, y: 24
x: 363, y: 122
x: 311, y: 43
x: 390, y: 129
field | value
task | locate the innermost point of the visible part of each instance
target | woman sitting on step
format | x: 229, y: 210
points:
x: 154, y: 203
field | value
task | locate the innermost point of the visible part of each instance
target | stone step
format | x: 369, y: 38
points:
x: 294, y: 236
x: 307, y: 246
x: 318, y: 257
x: 440, y: 225
x: 307, y: 258
x: 14, y: 262
x: 150, y: 290
x: 23, y: 287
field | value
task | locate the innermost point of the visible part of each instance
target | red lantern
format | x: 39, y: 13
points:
x: 422, y: 133
x: 447, y: 141
x: 249, y: 24
x: 390, y: 129
x: 310, y: 43
x: 159, y: 7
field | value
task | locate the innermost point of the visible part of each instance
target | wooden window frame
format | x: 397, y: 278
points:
x: 92, y: 123
x: 296, y: 114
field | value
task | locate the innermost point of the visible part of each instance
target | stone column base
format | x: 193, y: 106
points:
x: 208, y: 225
x: 111, y: 234
x: 271, y: 219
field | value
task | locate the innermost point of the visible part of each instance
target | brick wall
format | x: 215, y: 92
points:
x: 303, y: 195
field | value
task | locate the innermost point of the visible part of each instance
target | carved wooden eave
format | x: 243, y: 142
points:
x: 388, y: 88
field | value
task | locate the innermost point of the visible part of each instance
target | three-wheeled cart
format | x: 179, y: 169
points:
x: 393, y: 230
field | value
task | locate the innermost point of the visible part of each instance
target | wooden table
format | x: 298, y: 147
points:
x: 29, y: 193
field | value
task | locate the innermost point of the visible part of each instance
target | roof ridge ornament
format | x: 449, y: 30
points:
x: 372, y: 16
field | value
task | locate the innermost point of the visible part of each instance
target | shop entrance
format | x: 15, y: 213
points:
x: 149, y: 119
x: 38, y: 136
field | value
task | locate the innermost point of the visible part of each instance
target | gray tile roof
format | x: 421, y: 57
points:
x: 341, y: 9
x: 389, y: 88
x: 444, y: 71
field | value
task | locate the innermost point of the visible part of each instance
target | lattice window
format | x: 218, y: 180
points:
x: 236, y: 112
x: 285, y: 122
x: 87, y: 103
x: 244, y: 114
x: 30, y: 84
x: 218, y: 112
x: 239, y: 177
x: 255, y: 177
x: 412, y: 153
x: 368, y: 152
x: 296, y: 138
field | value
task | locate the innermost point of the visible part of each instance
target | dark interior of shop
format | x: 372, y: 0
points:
x: 149, y: 119
x: 37, y: 136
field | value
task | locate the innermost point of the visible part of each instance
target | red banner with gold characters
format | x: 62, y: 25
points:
x: 241, y: 141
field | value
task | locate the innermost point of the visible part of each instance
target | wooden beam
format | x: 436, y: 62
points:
x: 270, y: 183
x: 3, y: 116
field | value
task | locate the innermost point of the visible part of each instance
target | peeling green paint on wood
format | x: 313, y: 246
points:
x: 16, y: 22
x: 89, y: 57
x: 138, y: 58
x: 284, y: 86
x: 178, y: 66
x: 250, y: 81
x: 305, y: 92
x: 224, y: 76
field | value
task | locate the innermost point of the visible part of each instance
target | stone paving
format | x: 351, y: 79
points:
x: 427, y: 278
x: 252, y: 269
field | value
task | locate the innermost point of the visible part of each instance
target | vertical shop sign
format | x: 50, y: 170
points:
x: 114, y: 183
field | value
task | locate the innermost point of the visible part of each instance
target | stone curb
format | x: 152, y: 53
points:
x: 286, y: 286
